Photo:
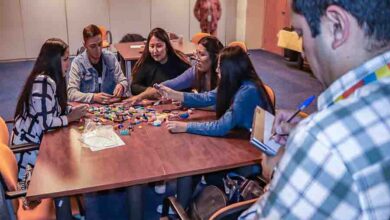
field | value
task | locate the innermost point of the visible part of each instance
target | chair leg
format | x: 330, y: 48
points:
x: 63, y: 208
x: 80, y: 206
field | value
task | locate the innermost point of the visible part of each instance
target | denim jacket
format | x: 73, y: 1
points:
x: 239, y: 115
x: 84, y: 80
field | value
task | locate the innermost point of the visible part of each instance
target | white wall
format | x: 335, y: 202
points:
x: 11, y: 31
x: 39, y: 24
x: 26, y: 24
x: 82, y: 13
x: 250, y: 22
x: 125, y: 19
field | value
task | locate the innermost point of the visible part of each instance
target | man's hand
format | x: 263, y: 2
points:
x: 177, y: 126
x: 118, y: 91
x: 102, y: 98
x: 77, y: 112
x: 281, y: 128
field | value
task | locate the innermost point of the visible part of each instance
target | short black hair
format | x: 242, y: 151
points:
x: 372, y: 15
x: 91, y: 31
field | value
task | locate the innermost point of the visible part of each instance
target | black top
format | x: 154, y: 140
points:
x: 154, y: 72
x: 99, y: 66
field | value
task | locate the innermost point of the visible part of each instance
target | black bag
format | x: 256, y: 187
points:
x: 210, y: 200
x: 239, y: 188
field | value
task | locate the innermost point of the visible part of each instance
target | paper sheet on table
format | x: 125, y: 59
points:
x: 262, y: 132
x: 101, y: 137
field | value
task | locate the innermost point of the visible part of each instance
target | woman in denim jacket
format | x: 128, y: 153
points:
x: 239, y: 91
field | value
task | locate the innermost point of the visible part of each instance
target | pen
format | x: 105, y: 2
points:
x: 302, y: 106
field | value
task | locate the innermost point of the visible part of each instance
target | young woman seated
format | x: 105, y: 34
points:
x: 238, y: 93
x: 159, y: 62
x: 201, y: 77
x: 42, y: 104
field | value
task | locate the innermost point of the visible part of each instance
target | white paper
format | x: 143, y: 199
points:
x: 102, y: 137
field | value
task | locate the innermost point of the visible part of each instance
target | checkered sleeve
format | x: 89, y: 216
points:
x: 311, y: 182
x: 45, y: 104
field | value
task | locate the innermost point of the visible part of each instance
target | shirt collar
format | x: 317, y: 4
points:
x: 351, y: 78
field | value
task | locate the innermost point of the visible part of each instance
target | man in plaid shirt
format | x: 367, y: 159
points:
x: 336, y: 163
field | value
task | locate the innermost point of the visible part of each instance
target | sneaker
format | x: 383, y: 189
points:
x: 160, y: 207
x: 160, y: 188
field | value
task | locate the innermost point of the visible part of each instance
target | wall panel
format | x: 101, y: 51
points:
x: 83, y: 13
x: 129, y: 16
x: 172, y: 15
x: 42, y: 20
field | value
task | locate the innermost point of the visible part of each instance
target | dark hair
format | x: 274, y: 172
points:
x: 48, y: 63
x: 213, y: 47
x: 236, y: 67
x: 91, y: 31
x: 162, y: 35
x: 372, y: 15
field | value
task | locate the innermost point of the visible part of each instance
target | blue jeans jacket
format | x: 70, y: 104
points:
x: 239, y: 115
x: 84, y: 80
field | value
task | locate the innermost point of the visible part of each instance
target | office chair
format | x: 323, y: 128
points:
x: 106, y: 36
x: 11, y: 203
x: 132, y: 38
x: 230, y: 212
x: 271, y: 94
x: 196, y: 37
x: 240, y: 44
x: 9, y: 188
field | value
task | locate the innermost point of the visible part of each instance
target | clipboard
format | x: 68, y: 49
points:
x: 262, y: 132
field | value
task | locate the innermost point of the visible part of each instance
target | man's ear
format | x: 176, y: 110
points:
x: 339, y: 25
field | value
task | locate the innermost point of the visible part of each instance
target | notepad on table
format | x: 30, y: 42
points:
x: 262, y: 132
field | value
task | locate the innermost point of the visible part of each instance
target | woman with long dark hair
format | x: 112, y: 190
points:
x: 42, y: 104
x: 238, y: 93
x: 201, y: 77
x: 159, y: 62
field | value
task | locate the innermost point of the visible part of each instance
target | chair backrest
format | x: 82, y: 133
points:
x: 271, y: 94
x: 8, y: 180
x: 232, y: 211
x: 4, y: 134
x: 132, y: 38
x: 8, y: 167
x: 106, y: 36
x: 240, y: 44
x: 196, y: 38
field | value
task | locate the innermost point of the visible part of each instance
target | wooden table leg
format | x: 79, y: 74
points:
x: 184, y: 190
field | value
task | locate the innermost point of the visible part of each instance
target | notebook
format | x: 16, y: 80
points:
x: 262, y: 132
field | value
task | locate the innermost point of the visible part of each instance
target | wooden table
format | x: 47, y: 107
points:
x: 131, y: 52
x: 64, y: 167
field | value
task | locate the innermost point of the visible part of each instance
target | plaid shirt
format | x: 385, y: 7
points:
x: 337, y: 161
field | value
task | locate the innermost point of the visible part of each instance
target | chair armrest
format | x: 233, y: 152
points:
x: 10, y: 121
x: 15, y: 194
x: 20, y: 148
x: 172, y: 202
